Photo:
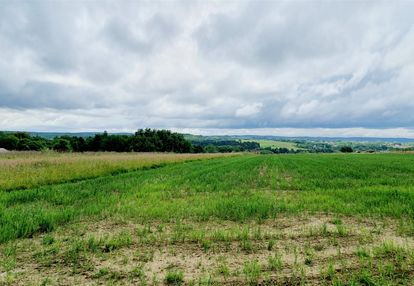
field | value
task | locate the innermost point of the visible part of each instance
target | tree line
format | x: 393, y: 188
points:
x: 226, y: 146
x: 144, y: 140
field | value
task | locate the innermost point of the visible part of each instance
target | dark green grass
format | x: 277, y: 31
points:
x: 236, y: 188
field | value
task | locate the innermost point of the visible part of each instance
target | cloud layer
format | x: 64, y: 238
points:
x: 122, y: 65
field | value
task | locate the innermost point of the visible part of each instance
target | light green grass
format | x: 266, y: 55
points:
x: 233, y: 188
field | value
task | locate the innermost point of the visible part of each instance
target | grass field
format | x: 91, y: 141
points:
x: 21, y: 170
x: 337, y: 219
x: 275, y: 144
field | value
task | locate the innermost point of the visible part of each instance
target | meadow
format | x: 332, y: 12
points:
x: 303, y: 219
x: 274, y: 144
x: 22, y: 170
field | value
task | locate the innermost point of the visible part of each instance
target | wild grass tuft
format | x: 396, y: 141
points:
x: 252, y: 271
x: 174, y: 277
x: 275, y: 262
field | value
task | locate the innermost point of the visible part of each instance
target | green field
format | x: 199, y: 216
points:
x: 337, y: 219
x: 22, y: 170
x: 274, y: 144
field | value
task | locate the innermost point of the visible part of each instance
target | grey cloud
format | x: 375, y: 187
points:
x: 33, y: 95
x: 142, y: 37
x: 257, y: 64
x: 50, y: 34
x: 123, y: 38
x: 268, y: 34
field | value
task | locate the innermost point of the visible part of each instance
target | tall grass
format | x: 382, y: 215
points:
x: 233, y: 188
x: 20, y: 170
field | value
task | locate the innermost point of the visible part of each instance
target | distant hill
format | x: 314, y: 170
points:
x: 51, y: 135
x: 192, y: 137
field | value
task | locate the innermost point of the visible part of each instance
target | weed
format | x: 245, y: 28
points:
x: 406, y: 227
x: 270, y: 244
x: 9, y: 261
x: 342, y: 231
x: 73, y: 255
x: 48, y: 240
x: 45, y: 282
x: 223, y: 269
x: 362, y: 252
x: 92, y: 244
x: 220, y: 235
x: 309, y: 255
x: 206, y: 244
x: 174, y: 278
x: 324, y: 230
x: 330, y: 272
x: 124, y: 239
x: 246, y: 245
x: 138, y: 272
x: 143, y: 232
x: 46, y: 256
x: 257, y: 234
x: 160, y: 228
x: 337, y: 221
x: 275, y: 262
x: 252, y: 270
x: 101, y: 273
x: 390, y: 250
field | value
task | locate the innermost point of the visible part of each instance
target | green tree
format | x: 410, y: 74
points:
x: 346, y: 149
x: 62, y: 145
x: 8, y: 141
x: 31, y: 144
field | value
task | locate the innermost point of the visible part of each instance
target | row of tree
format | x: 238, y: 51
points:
x: 22, y: 141
x: 281, y: 150
x: 144, y: 140
x: 147, y: 140
x: 226, y: 146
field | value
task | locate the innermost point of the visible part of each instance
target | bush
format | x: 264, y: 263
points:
x: 174, y: 278
x: 62, y: 145
x: 8, y: 142
x: 346, y: 149
x: 31, y: 144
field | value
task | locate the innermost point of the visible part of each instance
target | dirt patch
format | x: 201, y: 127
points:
x: 285, y: 250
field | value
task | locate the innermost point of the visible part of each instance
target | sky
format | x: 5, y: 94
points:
x: 290, y: 68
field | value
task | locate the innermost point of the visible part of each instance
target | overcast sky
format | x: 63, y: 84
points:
x: 296, y: 68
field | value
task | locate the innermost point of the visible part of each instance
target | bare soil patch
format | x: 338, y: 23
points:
x: 312, y: 250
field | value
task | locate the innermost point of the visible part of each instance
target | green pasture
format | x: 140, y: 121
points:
x: 240, y: 188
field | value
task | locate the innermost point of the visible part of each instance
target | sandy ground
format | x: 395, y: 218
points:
x: 116, y: 252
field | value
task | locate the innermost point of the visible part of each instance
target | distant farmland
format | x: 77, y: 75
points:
x: 156, y: 219
x: 274, y: 144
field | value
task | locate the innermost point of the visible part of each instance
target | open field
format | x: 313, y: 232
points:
x: 20, y: 170
x: 274, y: 144
x: 337, y: 219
